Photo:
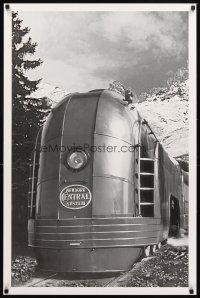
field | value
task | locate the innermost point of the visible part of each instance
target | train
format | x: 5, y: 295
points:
x: 103, y: 191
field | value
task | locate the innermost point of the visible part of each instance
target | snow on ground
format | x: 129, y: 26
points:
x: 182, y: 241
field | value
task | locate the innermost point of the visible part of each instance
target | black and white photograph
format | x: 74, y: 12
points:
x: 100, y: 149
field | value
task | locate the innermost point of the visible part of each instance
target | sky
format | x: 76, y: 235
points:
x: 82, y: 51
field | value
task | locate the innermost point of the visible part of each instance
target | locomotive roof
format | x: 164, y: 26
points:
x: 119, y: 98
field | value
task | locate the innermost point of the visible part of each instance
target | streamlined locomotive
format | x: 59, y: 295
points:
x: 103, y: 189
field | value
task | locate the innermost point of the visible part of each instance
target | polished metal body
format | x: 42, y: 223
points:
x: 130, y: 186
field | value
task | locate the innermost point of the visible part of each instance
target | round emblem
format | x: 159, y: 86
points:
x: 75, y: 196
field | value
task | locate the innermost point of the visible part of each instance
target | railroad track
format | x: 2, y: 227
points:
x: 40, y: 279
x: 45, y: 279
x: 56, y: 279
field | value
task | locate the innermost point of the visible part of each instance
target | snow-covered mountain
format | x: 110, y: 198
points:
x: 167, y: 114
x: 51, y: 94
x: 166, y: 110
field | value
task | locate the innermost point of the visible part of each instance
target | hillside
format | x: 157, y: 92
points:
x: 167, y: 113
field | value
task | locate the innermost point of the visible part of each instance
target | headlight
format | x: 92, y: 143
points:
x: 77, y: 160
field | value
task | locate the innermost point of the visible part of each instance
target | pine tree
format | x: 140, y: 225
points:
x: 27, y: 117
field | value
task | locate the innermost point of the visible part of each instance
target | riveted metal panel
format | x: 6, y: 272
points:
x: 113, y: 119
x: 113, y: 157
x: 53, y: 124
x: 48, y: 175
x: 47, y: 194
x: 112, y: 196
x: 49, y: 159
x: 113, y: 168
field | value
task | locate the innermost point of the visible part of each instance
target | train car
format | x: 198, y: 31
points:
x: 103, y: 190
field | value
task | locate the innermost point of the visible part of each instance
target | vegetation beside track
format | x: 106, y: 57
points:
x: 168, y: 267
